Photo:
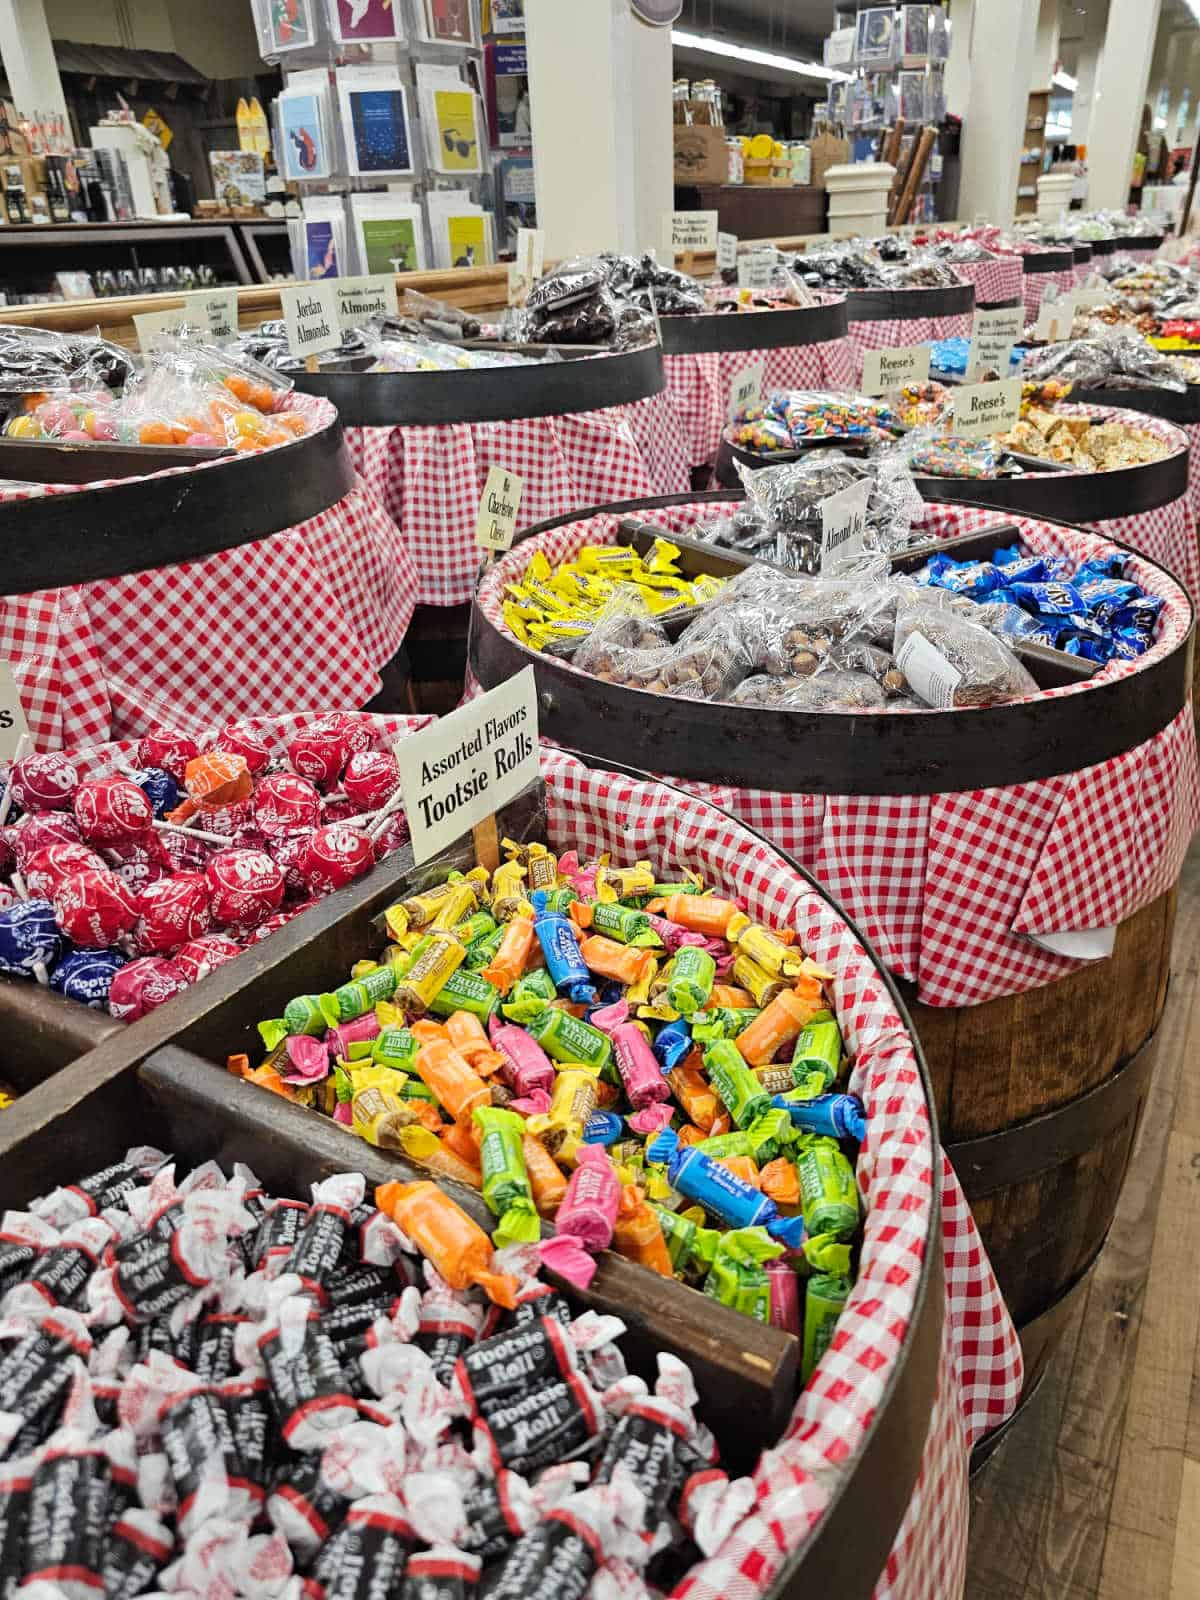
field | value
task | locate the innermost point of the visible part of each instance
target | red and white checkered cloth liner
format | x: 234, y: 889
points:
x: 1034, y: 287
x: 897, y: 333
x: 949, y: 887
x: 430, y: 478
x: 308, y: 614
x: 701, y: 385
x: 997, y: 278
x: 979, y: 1375
x: 1083, y: 270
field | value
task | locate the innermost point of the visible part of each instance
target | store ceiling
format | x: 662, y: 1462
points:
x: 790, y: 27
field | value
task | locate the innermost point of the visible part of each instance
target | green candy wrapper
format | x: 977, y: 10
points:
x: 395, y: 1047
x: 690, y: 1246
x: 566, y: 1038
x: 560, y: 899
x: 690, y: 979
x: 818, y: 1049
x: 722, y: 1022
x: 476, y: 926
x: 828, y: 1255
x: 505, y: 1178
x: 304, y: 1015
x: 466, y: 991
x: 483, y: 950
x: 743, y: 1095
x: 736, y: 1277
x: 535, y: 985
x: 828, y: 1192
x: 355, y: 999
x: 825, y: 1298
x: 624, y: 924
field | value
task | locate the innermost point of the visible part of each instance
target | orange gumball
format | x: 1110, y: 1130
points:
x: 262, y: 396
x: 292, y: 422
x: 245, y: 446
x: 237, y: 383
x: 154, y: 432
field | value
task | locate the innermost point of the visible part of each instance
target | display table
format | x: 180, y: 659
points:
x: 1043, y: 268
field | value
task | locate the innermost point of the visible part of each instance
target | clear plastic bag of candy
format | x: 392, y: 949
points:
x: 949, y: 660
x: 836, y: 689
x: 828, y: 414
x: 1116, y: 360
x: 38, y: 359
x: 947, y: 455
x: 921, y: 271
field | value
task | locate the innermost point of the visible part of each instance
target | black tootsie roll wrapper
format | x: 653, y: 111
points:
x: 351, y: 1286
x: 157, y: 1336
x: 69, y: 1515
x: 353, y: 1253
x: 445, y: 1339
x: 16, y: 1485
x: 213, y: 1357
x: 303, y: 1507
x: 153, y: 1275
x: 538, y: 1300
x: 646, y: 1444
x: 166, y: 1221
x: 61, y: 1273
x: 248, y: 1407
x: 327, y: 1231
x: 277, y: 1233
x: 440, y: 1574
x: 99, y: 1190
x: 16, y: 1259
x: 527, y: 1396
x: 373, y: 1550
x: 197, y: 1437
x: 309, y: 1394
x: 498, y: 1511
x: 349, y: 1327
x: 36, y: 1371
x: 556, y: 1560
x: 136, y: 1550
x: 514, y: 1361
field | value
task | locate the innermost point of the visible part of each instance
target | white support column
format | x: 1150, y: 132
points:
x: 28, y: 56
x: 958, y: 67
x: 1120, y: 95
x: 1184, y: 69
x: 600, y: 101
x: 1091, y: 47
x: 1045, y: 46
x: 994, y: 130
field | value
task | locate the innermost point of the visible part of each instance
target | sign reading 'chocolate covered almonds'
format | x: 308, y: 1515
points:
x: 310, y: 312
x: 359, y: 298
x: 498, y: 507
x: 469, y: 764
x: 216, y: 309
x: 982, y: 409
x: 883, y: 369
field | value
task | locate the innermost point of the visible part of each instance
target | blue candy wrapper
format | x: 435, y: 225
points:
x: 1048, y: 599
x: 672, y: 1044
x: 837, y: 1116
x: 560, y: 946
x: 87, y: 975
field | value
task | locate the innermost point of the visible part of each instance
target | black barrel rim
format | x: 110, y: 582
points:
x: 169, y: 517
x: 1104, y: 247
x: 1015, y: 304
x: 1182, y: 409
x: 1038, y: 261
x: 753, y: 330
x: 1142, y: 241
x: 851, y: 1544
x: 490, y: 394
x: 932, y: 752
x: 1082, y: 254
x: 890, y: 305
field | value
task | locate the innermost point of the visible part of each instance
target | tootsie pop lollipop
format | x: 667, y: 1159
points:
x: 111, y: 810
x: 44, y: 783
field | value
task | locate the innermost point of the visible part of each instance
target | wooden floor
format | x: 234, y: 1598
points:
x: 1095, y: 1494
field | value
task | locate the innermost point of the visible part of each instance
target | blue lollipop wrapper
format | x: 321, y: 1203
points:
x: 160, y: 788
x: 28, y: 935
x: 87, y: 975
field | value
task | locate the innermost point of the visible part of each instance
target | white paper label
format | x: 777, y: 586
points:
x: 693, y: 230
x: 726, y: 251
x: 13, y: 726
x: 1093, y: 297
x: 746, y: 388
x: 498, y: 507
x: 531, y: 253
x: 982, y: 409
x: 930, y: 675
x: 1055, y: 317
x: 883, y: 369
x: 994, y: 333
x: 469, y: 764
x: 1080, y: 944
x: 843, y: 524
x: 654, y: 314
x: 310, y: 311
x: 360, y: 298
x: 755, y: 270
x: 215, y: 308
x: 152, y: 325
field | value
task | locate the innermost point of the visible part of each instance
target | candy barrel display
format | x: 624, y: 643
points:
x: 705, y: 355
x: 998, y: 281
x: 1143, y: 244
x: 1082, y: 256
x: 126, y: 594
x: 888, y: 319
x: 1021, y: 822
x: 578, y: 424
x: 1043, y: 269
x: 867, y: 1479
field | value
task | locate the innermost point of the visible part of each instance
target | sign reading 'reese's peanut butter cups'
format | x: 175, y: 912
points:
x: 982, y: 409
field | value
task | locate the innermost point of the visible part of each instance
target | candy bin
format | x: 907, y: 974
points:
x: 891, y: 319
x: 873, y: 1386
x: 1081, y: 714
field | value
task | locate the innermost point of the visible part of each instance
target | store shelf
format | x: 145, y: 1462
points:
x: 30, y: 255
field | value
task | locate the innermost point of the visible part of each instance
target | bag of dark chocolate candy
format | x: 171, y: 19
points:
x: 950, y: 661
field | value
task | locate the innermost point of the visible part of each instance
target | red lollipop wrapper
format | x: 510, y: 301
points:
x: 163, y: 747
x: 8, y: 847
x: 370, y: 778
x: 44, y: 783
x: 185, y: 853
x: 357, y: 733
x: 8, y: 897
x: 43, y: 828
x: 393, y: 835
x: 319, y: 752
x: 242, y: 740
x: 285, y: 803
x: 50, y: 866
x: 112, y: 809
x: 246, y: 887
x: 273, y: 924
x: 172, y: 912
x: 199, y: 957
x: 139, y: 861
x: 338, y: 810
x: 143, y: 985
x: 335, y: 856
x: 94, y: 908
x: 288, y: 856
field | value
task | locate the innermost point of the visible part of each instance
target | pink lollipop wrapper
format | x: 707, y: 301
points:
x: 588, y: 1210
x: 567, y: 1257
x: 308, y: 1060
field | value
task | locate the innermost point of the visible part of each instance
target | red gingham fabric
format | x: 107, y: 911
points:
x: 1034, y: 287
x: 979, y: 1375
x: 430, y: 478
x: 997, y: 278
x: 898, y: 332
x: 700, y: 385
x: 309, y: 613
x: 949, y: 887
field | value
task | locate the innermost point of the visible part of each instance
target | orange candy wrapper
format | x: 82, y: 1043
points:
x: 624, y: 962
x: 780, y: 1181
x: 743, y: 1167
x: 462, y: 1138
x: 458, y: 1089
x: 638, y: 1233
x: 213, y: 780
x: 465, y: 1032
x: 702, y: 913
x: 510, y: 960
x: 777, y: 1025
x: 426, y: 1147
x: 727, y: 994
x: 547, y: 1181
x: 442, y: 1230
x: 426, y: 1031
x: 691, y: 1088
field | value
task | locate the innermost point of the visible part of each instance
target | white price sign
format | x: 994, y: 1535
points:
x: 531, y: 252
x: 497, y: 520
x: 310, y: 311
x: 216, y: 309
x: 13, y: 727
x: 982, y: 409
x: 843, y: 525
x: 359, y: 298
x: 469, y: 764
x: 151, y: 326
x: 884, y: 369
x: 726, y: 252
x: 1055, y: 318
x: 746, y: 388
x: 692, y: 230
x: 932, y: 677
x: 994, y: 334
x: 755, y: 270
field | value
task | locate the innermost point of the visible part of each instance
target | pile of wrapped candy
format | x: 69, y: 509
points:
x: 1120, y: 360
x: 861, y: 264
x: 638, y: 1062
x: 118, y: 900
x: 186, y: 393
x: 37, y: 361
x: 210, y: 1390
x: 555, y: 608
x: 789, y: 420
x: 949, y: 456
x: 1178, y: 333
x: 1089, y: 609
x: 950, y: 356
x: 918, y: 404
x: 383, y: 344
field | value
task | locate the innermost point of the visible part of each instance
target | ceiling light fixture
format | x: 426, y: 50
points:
x: 707, y: 45
x: 1064, y: 80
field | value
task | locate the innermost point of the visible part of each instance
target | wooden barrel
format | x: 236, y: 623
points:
x: 1039, y: 1094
